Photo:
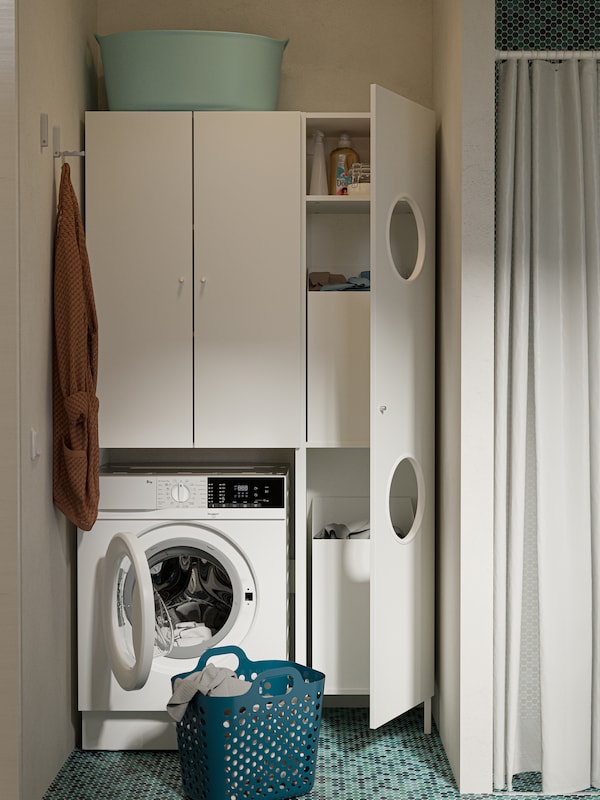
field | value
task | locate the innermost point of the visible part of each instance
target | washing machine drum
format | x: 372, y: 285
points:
x: 193, y: 597
x: 172, y: 591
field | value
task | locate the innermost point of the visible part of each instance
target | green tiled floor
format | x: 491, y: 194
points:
x: 396, y: 762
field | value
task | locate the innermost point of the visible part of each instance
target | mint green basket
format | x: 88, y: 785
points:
x: 191, y: 70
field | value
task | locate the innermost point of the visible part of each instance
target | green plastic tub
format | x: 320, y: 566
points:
x: 191, y: 70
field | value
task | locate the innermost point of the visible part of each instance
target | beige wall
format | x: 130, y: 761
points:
x: 10, y: 728
x: 464, y: 100
x: 54, y: 68
x: 336, y: 48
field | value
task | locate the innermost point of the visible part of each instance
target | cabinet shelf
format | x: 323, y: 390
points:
x: 326, y: 204
x: 329, y: 204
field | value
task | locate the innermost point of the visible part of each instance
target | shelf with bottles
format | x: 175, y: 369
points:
x: 357, y: 126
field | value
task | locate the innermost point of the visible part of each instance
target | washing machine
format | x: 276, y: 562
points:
x: 178, y: 560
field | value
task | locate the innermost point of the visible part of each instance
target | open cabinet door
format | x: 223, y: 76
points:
x: 402, y: 405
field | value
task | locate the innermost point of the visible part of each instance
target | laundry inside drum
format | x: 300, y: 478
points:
x: 196, y: 591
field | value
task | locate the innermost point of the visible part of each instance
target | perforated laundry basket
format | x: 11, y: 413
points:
x: 260, y: 744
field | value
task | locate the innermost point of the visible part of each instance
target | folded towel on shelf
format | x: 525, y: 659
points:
x: 318, y: 280
x: 213, y: 681
x: 362, y: 283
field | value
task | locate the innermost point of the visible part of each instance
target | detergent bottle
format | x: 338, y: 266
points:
x: 340, y: 161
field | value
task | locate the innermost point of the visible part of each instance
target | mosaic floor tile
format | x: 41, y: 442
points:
x: 395, y: 762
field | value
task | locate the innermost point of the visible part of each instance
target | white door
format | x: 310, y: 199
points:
x: 248, y: 303
x: 171, y: 592
x: 402, y: 404
x: 139, y: 239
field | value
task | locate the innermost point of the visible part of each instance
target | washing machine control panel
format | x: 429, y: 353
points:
x: 203, y: 492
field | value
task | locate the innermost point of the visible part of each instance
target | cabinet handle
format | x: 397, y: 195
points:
x: 382, y: 409
x: 182, y: 279
x: 203, y: 280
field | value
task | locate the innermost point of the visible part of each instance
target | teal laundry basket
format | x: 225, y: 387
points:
x: 257, y: 745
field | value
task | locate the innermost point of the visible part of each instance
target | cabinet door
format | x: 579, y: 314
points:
x: 139, y: 238
x: 402, y: 398
x: 247, y: 253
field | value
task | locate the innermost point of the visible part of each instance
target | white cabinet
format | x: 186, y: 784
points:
x: 381, y: 445
x: 194, y: 237
x: 200, y: 232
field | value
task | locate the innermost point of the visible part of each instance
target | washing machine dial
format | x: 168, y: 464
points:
x: 180, y: 492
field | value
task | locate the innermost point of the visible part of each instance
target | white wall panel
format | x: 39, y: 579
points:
x: 10, y: 723
x: 464, y: 96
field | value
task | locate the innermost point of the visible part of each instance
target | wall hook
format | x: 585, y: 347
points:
x: 57, y: 152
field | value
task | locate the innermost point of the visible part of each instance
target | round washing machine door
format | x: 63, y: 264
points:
x: 128, y: 626
x: 172, y: 591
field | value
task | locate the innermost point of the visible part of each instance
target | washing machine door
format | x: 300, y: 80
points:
x: 170, y: 592
x: 129, y: 619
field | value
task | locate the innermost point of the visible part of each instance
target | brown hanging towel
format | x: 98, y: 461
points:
x: 76, y: 453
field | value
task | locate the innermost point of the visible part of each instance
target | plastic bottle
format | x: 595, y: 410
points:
x: 318, y: 177
x: 340, y: 161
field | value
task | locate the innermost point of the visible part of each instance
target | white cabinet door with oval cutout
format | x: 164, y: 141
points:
x: 402, y: 404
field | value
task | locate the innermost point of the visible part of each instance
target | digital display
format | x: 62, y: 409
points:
x: 257, y: 493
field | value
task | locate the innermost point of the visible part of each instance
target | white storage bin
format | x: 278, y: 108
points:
x: 341, y: 593
x: 340, y: 598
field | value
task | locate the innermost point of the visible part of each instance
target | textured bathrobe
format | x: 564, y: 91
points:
x: 76, y: 454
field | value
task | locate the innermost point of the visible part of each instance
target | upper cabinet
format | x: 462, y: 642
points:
x: 194, y: 235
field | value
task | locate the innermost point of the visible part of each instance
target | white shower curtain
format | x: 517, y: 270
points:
x: 547, y: 476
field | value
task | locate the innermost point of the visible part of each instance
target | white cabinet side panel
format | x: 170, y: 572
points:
x: 248, y: 302
x: 139, y: 238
